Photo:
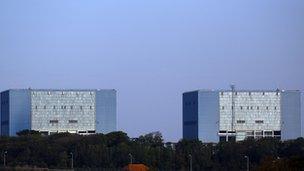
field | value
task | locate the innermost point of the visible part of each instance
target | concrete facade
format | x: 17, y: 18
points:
x: 235, y: 115
x: 51, y: 111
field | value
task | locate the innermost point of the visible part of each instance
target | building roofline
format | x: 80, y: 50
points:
x: 58, y: 89
x: 241, y: 90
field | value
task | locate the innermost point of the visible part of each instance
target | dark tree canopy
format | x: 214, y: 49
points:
x: 113, y: 150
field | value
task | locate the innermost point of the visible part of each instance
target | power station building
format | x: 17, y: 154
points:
x: 51, y: 111
x: 230, y: 115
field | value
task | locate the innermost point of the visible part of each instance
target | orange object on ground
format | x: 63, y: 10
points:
x: 136, y: 167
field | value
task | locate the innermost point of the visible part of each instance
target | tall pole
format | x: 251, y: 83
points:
x: 247, y: 159
x: 131, y: 158
x: 190, y: 162
x: 4, y: 158
x: 72, y: 162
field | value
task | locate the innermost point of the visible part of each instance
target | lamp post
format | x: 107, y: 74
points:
x: 72, y: 162
x: 4, y: 158
x: 131, y: 158
x: 190, y: 162
x: 247, y: 159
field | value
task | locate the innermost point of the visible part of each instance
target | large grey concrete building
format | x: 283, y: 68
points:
x: 224, y: 115
x: 51, y: 111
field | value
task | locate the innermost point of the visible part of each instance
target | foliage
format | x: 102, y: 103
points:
x: 112, y: 151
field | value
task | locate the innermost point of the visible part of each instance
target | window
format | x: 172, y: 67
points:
x: 54, y: 107
x: 36, y: 107
x: 247, y: 107
x: 44, y: 107
x: 61, y: 107
x: 232, y: 107
x: 222, y: 93
x: 73, y: 121
x: 236, y: 93
x: 223, y: 107
x: 267, y: 107
x: 277, y: 132
x: 249, y: 93
x: 241, y: 107
x: 91, y: 107
x: 263, y: 93
x: 259, y: 133
x: 71, y: 107
x: 80, y: 107
x: 259, y: 121
x: 53, y: 121
x: 240, y: 121
x: 268, y: 133
x: 64, y: 107
x: 258, y: 108
x: 275, y: 108
x: 251, y: 107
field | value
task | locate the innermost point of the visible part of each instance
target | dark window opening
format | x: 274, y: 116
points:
x: 259, y: 121
x: 73, y: 121
x: 240, y: 121
x: 222, y: 138
x: 53, y: 121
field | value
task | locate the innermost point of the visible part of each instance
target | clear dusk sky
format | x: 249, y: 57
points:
x: 151, y: 51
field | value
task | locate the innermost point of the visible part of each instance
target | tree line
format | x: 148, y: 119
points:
x: 115, y: 150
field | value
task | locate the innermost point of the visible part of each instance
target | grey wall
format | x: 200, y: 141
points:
x: 190, y: 115
x: 0, y: 113
x: 208, y: 116
x: 291, y: 115
x: 106, y: 111
x: 20, y: 111
x: 5, y: 113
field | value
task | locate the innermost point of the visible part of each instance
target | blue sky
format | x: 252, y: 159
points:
x: 152, y: 51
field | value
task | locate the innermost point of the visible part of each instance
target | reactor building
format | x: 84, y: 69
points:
x: 49, y: 111
x: 234, y: 115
